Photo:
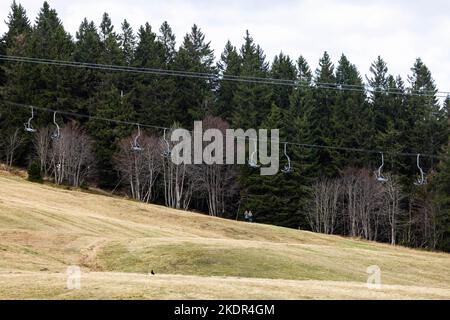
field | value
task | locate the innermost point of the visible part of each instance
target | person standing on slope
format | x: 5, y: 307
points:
x: 246, y: 214
x: 250, y: 216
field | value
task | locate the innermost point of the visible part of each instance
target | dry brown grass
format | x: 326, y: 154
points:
x: 116, y: 242
x: 109, y: 285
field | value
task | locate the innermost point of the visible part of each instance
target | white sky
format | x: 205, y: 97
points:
x: 398, y: 30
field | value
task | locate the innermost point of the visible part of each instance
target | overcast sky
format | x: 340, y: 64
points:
x: 399, y: 31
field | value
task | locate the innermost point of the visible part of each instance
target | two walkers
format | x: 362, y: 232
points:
x: 248, y: 215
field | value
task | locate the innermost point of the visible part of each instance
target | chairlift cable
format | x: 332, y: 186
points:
x: 304, y: 145
x: 216, y: 77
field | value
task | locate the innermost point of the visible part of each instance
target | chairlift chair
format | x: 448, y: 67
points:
x: 57, y: 133
x: 251, y: 161
x: 287, y: 168
x: 378, y: 175
x: 28, y: 125
x: 135, y: 144
x: 422, y: 179
x: 340, y: 80
x: 167, y: 152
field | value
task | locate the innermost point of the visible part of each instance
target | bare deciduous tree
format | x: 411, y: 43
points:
x: 358, y: 204
x: 392, y: 196
x: 215, y: 180
x: 72, y: 157
x: 177, y: 189
x: 324, y: 212
x: 140, y: 169
x: 42, y: 143
x: 11, y: 144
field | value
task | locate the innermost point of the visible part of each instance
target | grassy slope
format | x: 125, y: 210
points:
x: 117, y: 242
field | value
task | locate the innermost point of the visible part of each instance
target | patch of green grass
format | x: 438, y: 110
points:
x: 207, y: 260
x: 361, y: 244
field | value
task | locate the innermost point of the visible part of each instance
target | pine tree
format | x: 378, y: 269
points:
x: 349, y: 106
x: 150, y: 52
x: 252, y: 101
x: 441, y: 186
x: 428, y: 120
x: 41, y: 85
x: 229, y: 65
x: 49, y: 39
x: 88, y: 46
x: 278, y: 199
x: 14, y: 42
x: 282, y: 68
x: 298, y: 119
x: 301, y: 96
x: 18, y: 27
x: 379, y: 97
x: 12, y: 75
x: 50, y: 86
x: 194, y: 96
x: 106, y: 27
x: 108, y: 134
x: 152, y: 95
x: 112, y: 52
x: 167, y: 38
x: 395, y: 135
x: 86, y: 82
x: 109, y: 101
x: 127, y: 42
x: 319, y: 119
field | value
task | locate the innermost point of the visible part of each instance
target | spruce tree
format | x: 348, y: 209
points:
x: 389, y: 115
x: 109, y: 101
x: 50, y: 86
x: 298, y: 118
x: 252, y: 101
x: 282, y: 68
x: 88, y: 48
x: 194, y: 96
x: 394, y: 137
x: 281, y: 198
x: 319, y: 119
x: 229, y: 65
x: 167, y: 38
x: 378, y: 83
x: 300, y: 100
x: 350, y: 116
x: 127, y: 42
x: 13, y: 75
x: 15, y: 42
x: 441, y: 186
x: 428, y: 121
x: 152, y: 95
x: 108, y: 134
x: 18, y: 25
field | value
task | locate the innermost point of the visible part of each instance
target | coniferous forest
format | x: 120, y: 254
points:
x: 331, y: 190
